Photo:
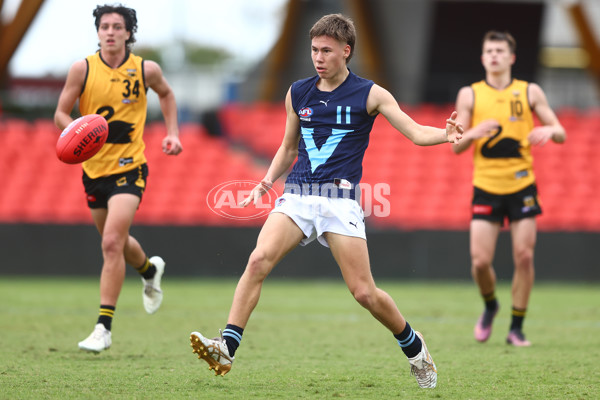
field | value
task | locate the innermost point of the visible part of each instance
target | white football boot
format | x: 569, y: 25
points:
x: 152, y: 294
x: 99, y: 339
x: 213, y: 351
x: 423, y: 367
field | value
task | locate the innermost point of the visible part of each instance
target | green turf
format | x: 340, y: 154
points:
x: 306, y: 340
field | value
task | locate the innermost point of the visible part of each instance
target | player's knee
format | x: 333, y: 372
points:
x: 259, y: 264
x: 523, y: 258
x: 364, y: 297
x: 112, y: 245
x: 480, y: 262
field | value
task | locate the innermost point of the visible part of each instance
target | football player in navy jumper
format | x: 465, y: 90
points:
x: 329, y: 118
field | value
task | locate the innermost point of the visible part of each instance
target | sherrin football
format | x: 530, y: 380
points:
x: 82, y: 139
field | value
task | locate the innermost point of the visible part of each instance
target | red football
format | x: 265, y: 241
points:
x: 83, y: 138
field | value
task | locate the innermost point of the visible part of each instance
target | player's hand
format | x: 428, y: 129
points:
x: 485, y: 128
x: 171, y: 145
x: 259, y: 190
x: 454, y: 130
x: 540, y: 135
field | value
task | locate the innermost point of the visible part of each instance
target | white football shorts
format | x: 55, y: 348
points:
x: 316, y: 215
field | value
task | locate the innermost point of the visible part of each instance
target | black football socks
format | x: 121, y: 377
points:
x: 147, y: 270
x: 518, y: 315
x: 491, y: 303
x: 106, y: 316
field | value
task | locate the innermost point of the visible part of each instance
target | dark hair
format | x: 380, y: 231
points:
x: 128, y: 14
x: 338, y: 27
x: 497, y: 36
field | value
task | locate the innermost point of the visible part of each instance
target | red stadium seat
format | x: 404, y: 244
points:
x: 430, y: 187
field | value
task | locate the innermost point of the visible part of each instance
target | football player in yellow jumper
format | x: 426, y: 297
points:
x: 113, y: 83
x: 497, y: 114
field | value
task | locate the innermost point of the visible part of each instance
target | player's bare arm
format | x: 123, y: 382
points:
x: 70, y: 94
x: 288, y: 151
x: 285, y: 156
x: 464, y: 108
x: 156, y: 81
x: 382, y: 101
x: 551, y: 128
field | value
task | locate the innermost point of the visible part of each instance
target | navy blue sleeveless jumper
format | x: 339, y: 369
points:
x: 335, y: 128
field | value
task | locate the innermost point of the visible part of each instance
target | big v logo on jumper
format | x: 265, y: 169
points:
x: 319, y: 156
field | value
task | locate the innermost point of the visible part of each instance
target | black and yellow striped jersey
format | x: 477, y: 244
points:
x: 503, y: 163
x: 119, y: 95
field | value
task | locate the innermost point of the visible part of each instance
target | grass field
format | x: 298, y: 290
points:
x: 306, y: 340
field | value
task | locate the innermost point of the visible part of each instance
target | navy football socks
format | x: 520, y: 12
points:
x: 409, y: 341
x: 232, y: 336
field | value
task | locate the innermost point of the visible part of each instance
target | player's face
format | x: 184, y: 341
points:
x: 112, y: 32
x: 496, y: 56
x: 329, y: 56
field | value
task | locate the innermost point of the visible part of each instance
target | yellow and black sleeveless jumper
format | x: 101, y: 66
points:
x: 119, y: 95
x: 503, y: 163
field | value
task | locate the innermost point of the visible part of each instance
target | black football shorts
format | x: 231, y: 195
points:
x: 101, y: 189
x: 498, y: 207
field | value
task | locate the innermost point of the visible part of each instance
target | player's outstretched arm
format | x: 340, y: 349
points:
x: 454, y: 130
x: 464, y: 107
x: 382, y: 101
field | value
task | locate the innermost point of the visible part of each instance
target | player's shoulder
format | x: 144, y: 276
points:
x: 303, y: 88
x: 91, y: 59
x: 379, y: 94
x: 94, y: 55
x: 359, y: 79
x: 528, y: 85
x: 535, y: 93
x: 152, y: 71
x: 78, y: 69
x: 534, y: 86
x: 466, y: 89
x: 151, y: 65
x: 478, y: 84
x: 80, y: 64
x: 305, y: 82
x: 466, y: 94
x: 517, y: 81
